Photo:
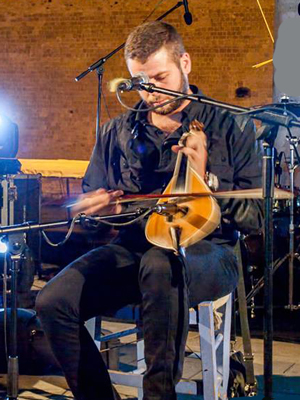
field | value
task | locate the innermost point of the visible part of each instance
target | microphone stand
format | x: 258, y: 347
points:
x: 98, y: 66
x: 293, y: 143
x: 272, y: 120
x: 16, y: 244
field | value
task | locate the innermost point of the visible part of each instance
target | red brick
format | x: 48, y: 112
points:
x: 44, y: 44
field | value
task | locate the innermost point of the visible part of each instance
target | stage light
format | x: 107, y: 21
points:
x: 9, y: 137
x: 3, y: 246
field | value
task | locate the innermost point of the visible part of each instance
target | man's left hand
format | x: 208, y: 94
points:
x: 196, y: 150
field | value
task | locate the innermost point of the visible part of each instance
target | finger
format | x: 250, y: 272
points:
x: 176, y: 148
x: 196, y: 125
x: 101, y: 191
x: 197, y: 140
x: 92, y: 209
x: 108, y: 210
x: 84, y: 204
x: 196, y: 159
x: 96, y: 201
x: 117, y: 193
x: 190, y: 152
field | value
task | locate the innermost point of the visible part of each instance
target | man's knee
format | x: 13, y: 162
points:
x: 46, y: 303
x: 159, y: 268
x: 53, y: 301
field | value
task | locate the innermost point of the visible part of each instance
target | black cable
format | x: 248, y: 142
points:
x: 148, y: 108
x: 106, y: 106
x: 154, y: 9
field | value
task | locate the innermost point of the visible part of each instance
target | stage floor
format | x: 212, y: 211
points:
x: 286, y: 371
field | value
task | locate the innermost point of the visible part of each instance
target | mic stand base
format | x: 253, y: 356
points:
x: 292, y: 307
x: 12, y: 378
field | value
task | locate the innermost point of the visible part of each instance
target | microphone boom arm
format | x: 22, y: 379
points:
x: 266, y: 116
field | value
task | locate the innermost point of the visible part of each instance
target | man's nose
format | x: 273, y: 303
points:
x: 154, y: 81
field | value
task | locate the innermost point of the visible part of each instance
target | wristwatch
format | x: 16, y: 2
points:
x: 212, y: 181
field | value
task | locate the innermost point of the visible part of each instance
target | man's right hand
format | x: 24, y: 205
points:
x: 100, y: 202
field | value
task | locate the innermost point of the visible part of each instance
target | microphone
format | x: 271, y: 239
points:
x: 168, y: 209
x: 187, y: 15
x: 126, y: 85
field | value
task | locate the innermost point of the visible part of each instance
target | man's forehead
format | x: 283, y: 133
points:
x: 157, y: 63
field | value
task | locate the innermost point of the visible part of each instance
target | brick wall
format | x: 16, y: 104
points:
x: 44, y: 44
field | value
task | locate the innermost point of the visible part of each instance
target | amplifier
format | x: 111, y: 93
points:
x: 24, y: 191
x: 20, y: 201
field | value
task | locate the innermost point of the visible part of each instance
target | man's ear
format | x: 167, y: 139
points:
x: 186, y: 63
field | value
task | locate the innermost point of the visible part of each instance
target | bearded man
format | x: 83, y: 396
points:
x: 136, y: 153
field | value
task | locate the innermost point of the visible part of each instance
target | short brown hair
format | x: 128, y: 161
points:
x: 148, y: 38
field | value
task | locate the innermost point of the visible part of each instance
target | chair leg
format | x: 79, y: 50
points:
x: 225, y: 348
x: 141, y: 365
x: 91, y: 327
x: 208, y: 354
x: 215, y: 350
x: 140, y: 394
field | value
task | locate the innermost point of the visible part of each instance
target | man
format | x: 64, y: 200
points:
x: 133, y: 154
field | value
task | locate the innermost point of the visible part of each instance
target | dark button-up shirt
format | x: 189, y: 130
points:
x: 133, y: 155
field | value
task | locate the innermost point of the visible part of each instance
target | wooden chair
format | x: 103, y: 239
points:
x: 214, y: 350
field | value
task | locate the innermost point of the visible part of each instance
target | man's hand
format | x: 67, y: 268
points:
x: 195, y: 147
x: 100, y: 202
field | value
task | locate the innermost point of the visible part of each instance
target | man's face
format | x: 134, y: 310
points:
x: 165, y: 73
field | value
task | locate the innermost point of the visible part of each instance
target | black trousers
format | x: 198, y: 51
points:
x: 110, y: 277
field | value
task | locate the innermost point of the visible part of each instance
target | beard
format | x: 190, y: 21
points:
x: 169, y: 108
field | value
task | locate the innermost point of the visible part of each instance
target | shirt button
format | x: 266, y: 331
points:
x: 223, y: 159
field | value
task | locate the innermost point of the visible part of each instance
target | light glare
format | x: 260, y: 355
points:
x: 3, y: 247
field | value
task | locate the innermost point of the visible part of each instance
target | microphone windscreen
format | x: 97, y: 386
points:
x: 113, y: 84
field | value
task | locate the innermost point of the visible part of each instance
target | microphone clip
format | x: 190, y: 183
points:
x: 169, y: 209
x: 134, y: 83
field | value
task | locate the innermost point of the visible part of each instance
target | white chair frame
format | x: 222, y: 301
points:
x: 214, y: 353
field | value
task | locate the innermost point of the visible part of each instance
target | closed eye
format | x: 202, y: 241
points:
x: 160, y: 78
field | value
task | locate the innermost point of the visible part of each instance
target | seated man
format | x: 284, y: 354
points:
x: 133, y: 154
